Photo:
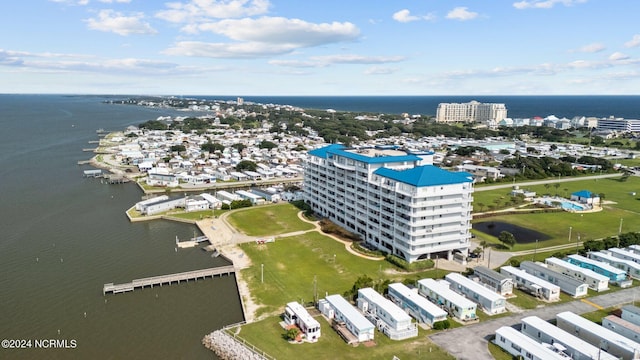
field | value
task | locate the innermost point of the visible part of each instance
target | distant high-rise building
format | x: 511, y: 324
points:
x: 397, y: 201
x: 240, y: 101
x: 474, y: 111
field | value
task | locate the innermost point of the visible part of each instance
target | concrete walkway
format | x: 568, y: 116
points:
x: 471, y: 342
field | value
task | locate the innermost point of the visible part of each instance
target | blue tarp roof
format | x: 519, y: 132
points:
x: 338, y: 149
x: 426, y: 175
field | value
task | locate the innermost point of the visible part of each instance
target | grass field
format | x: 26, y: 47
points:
x: 620, y: 204
x: 269, y: 335
x: 268, y: 220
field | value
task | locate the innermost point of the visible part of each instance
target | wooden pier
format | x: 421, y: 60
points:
x: 167, y: 279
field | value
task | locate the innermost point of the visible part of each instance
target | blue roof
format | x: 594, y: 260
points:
x: 426, y: 175
x: 337, y: 149
x: 583, y: 193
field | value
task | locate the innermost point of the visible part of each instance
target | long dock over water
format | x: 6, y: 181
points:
x: 167, y: 279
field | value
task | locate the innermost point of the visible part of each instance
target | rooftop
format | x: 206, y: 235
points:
x: 376, y: 155
x: 426, y: 175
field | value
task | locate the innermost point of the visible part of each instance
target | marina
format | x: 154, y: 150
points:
x: 112, y: 288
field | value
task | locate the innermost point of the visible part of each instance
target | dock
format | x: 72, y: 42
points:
x: 112, y: 288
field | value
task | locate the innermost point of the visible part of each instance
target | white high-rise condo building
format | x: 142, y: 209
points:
x: 485, y: 113
x: 397, y: 201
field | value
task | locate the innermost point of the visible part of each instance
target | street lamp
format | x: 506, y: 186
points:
x: 619, y: 232
x: 570, y: 233
x: 535, y: 252
x: 577, y: 242
x: 261, y: 273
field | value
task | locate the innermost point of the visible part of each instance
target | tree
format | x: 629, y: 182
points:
x: 267, y: 145
x: 212, y: 147
x: 292, y: 334
x: 507, y: 238
x: 178, y: 148
x: 246, y: 165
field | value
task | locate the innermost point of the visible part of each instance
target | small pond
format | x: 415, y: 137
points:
x: 523, y: 235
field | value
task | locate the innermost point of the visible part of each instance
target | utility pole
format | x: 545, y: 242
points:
x: 261, y: 273
x: 570, y: 233
x: 619, y: 232
x: 577, y: 242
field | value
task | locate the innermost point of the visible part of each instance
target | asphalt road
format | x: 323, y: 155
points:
x: 470, y: 342
x: 546, y: 181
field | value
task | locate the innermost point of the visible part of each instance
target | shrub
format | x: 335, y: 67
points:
x: 441, y: 325
x: 330, y: 228
x: 414, y: 266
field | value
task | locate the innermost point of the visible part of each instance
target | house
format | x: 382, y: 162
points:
x: 594, y: 280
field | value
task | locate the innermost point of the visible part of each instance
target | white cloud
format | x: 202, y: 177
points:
x: 404, y: 16
x: 461, y: 13
x: 246, y: 50
x: 115, y: 1
x: 544, y: 4
x: 279, y: 30
x: 592, y: 48
x: 266, y: 36
x: 71, y: 2
x: 202, y: 10
x: 323, y: 61
x: 616, y: 56
x: 377, y: 70
x: 633, y: 42
x: 111, y: 21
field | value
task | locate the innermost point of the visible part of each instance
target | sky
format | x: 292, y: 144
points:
x: 321, y: 47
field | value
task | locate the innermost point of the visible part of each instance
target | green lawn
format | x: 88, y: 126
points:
x: 268, y: 220
x: 291, y: 264
x: 590, y: 226
x: 268, y: 336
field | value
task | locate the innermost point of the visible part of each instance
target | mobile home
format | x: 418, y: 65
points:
x: 421, y: 309
x: 532, y: 284
x: 623, y: 327
x: 440, y: 293
x: 495, y: 281
x: 545, y: 332
x: 615, y: 275
x: 348, y: 318
x: 491, y: 302
x: 390, y: 319
x: 519, y: 344
x: 567, y: 284
x: 597, y: 335
x: 296, y: 314
x: 632, y: 268
x: 631, y: 313
x: 594, y: 280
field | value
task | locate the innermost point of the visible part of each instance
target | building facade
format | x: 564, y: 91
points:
x: 474, y: 111
x: 395, y: 200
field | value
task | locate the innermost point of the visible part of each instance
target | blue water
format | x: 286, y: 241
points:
x: 571, y: 206
x: 626, y: 106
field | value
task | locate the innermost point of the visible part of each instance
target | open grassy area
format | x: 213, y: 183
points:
x: 291, y: 264
x: 268, y: 220
x: 623, y: 205
x: 269, y: 335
